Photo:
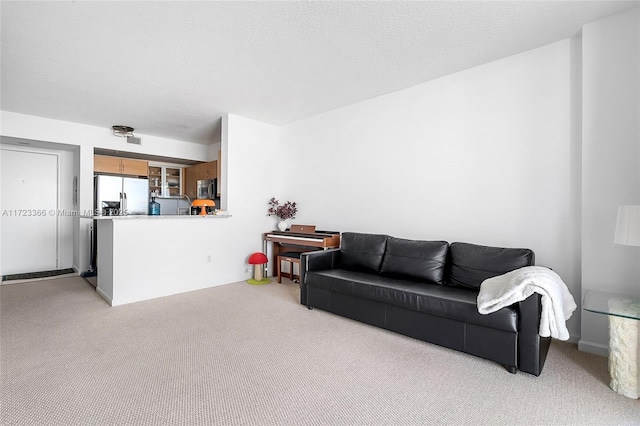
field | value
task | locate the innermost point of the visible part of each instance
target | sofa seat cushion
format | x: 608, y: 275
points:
x: 448, y: 302
x: 415, y: 260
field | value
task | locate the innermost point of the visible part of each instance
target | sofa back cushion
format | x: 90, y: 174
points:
x: 362, y: 252
x: 470, y: 264
x: 416, y: 260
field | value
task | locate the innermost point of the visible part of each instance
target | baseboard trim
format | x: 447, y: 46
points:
x: 593, y: 348
x: 574, y: 338
x: 104, y: 296
x: 125, y: 301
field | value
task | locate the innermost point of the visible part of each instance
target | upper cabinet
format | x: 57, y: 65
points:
x: 199, y: 172
x: 120, y: 166
x: 165, y: 181
x: 191, y: 175
x: 135, y: 167
x: 212, y: 170
x: 173, y: 181
x: 219, y: 171
x: 155, y: 180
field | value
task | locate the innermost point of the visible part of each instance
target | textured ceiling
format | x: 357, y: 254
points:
x: 171, y: 69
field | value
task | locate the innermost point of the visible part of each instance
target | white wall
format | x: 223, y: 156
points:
x: 252, y: 155
x: 82, y: 139
x: 485, y: 155
x: 611, y: 161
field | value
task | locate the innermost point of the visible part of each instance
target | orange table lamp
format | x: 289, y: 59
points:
x: 203, y: 204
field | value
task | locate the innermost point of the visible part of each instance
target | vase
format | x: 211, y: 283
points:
x: 282, y: 225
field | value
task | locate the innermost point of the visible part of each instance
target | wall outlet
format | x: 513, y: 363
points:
x: 209, y: 258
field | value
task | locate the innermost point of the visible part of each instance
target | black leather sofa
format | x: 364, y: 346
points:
x: 427, y: 290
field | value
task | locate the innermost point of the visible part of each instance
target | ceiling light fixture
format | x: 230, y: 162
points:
x: 122, y: 131
x: 126, y: 132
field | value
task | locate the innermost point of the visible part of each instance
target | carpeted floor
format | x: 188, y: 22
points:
x: 251, y: 355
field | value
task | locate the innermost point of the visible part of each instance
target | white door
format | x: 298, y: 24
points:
x: 28, y: 200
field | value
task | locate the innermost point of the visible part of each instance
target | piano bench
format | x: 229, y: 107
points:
x: 291, y: 257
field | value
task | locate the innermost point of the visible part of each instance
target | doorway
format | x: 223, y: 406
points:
x: 29, y: 206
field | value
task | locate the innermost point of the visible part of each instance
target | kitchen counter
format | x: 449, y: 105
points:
x: 143, y: 257
x: 166, y: 216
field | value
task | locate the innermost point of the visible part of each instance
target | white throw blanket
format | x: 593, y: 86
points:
x: 557, y: 303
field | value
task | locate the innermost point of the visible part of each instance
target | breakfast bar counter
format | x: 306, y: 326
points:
x: 144, y: 257
x: 160, y: 217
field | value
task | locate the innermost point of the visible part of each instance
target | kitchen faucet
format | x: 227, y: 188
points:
x: 178, y: 203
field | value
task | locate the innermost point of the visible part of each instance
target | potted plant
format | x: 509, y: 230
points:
x: 284, y: 212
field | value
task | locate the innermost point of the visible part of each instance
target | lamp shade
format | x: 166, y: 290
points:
x: 628, y: 226
x: 200, y: 203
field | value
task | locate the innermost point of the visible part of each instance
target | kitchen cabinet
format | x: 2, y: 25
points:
x: 165, y: 181
x: 190, y: 178
x: 173, y: 181
x: 219, y: 171
x: 155, y: 180
x: 199, y: 172
x: 120, y: 166
x: 105, y: 164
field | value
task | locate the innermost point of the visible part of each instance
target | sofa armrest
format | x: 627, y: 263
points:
x: 315, y: 261
x: 532, y: 349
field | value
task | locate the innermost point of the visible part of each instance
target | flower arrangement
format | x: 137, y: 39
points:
x: 286, y: 211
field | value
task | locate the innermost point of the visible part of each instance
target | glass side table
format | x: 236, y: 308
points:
x: 624, y: 336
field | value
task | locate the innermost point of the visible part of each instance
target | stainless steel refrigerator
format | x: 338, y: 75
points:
x: 116, y: 195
